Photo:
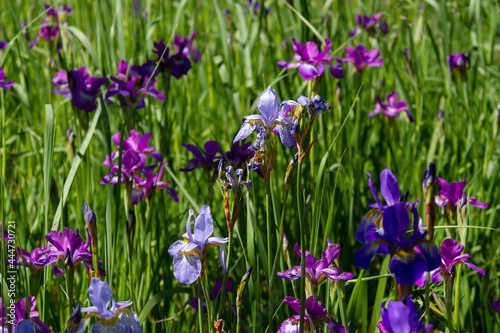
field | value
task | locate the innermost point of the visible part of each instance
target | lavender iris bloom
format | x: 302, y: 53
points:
x: 451, y: 256
x: 215, y: 292
x: 21, y: 323
x: 402, y: 317
x: 78, y: 86
x: 315, y: 315
x: 4, y: 84
x: 189, y: 254
x: 392, y: 109
x: 116, y: 318
x: 369, y: 24
x: 459, y: 61
x: 131, y: 87
x: 311, y: 62
x: 202, y: 160
x: 361, y: 58
x: 411, y: 257
x: 318, y: 270
x: 453, y: 194
x: 267, y: 120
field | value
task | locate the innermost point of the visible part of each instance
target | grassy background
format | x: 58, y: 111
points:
x: 209, y: 103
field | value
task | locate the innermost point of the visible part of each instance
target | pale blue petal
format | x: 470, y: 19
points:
x: 245, y: 130
x: 187, y: 268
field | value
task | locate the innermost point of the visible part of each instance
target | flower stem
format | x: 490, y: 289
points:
x: 427, y: 298
x: 70, y: 275
x: 200, y: 306
x: 303, y: 255
x: 220, y: 301
x: 456, y: 314
x: 448, y: 300
x: 269, y: 255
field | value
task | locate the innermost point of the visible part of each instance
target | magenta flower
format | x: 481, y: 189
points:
x: 315, y: 314
x: 4, y: 84
x: 318, y: 270
x: 451, y: 256
x: 361, y: 58
x: 202, y: 160
x: 21, y: 323
x: 132, y: 86
x: 178, y: 62
x: 137, y: 143
x: 311, y: 62
x: 144, y: 188
x: 453, y: 194
x: 459, y: 61
x: 50, y: 24
x: 402, y: 317
x: 78, y: 86
x: 369, y: 24
x: 36, y: 259
x: 392, y: 109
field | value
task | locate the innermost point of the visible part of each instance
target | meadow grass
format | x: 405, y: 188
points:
x: 326, y: 199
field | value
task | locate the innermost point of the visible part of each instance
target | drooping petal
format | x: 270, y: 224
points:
x: 364, y: 255
x: 474, y: 267
x: 478, y: 204
x: 130, y: 321
x: 431, y: 254
x: 333, y: 326
x: 187, y: 268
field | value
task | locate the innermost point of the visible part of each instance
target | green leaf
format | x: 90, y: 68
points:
x: 158, y: 298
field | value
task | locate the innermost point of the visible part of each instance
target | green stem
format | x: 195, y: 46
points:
x: 269, y: 255
x: 220, y: 301
x: 200, y: 306
x: 456, y: 314
x: 303, y: 256
x: 70, y: 276
x: 427, y: 298
x: 448, y: 300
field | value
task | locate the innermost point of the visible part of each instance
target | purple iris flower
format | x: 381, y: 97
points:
x: 369, y: 24
x: 255, y: 6
x: 361, y: 58
x: 202, y: 160
x: 132, y: 86
x: 3, y: 44
x: 21, y: 323
x: 57, y: 13
x: 451, y: 256
x: 78, y: 86
x: 496, y: 306
x: 385, y: 233
x: 318, y: 270
x: 215, y: 291
x: 389, y: 189
x: 144, y: 187
x: 459, y: 61
x: 177, y: 63
x: 239, y: 154
x: 4, y: 84
x: 36, y: 259
x: 131, y: 162
x: 392, y: 109
x: 311, y: 62
x: 71, y: 249
x: 267, y: 120
x: 315, y: 314
x: 189, y: 254
x: 402, y: 317
x: 50, y: 24
x: 453, y: 195
x: 138, y: 144
x: 114, y: 318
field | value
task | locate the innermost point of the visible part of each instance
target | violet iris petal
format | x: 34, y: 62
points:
x: 361, y: 58
x: 401, y: 317
x: 452, y: 194
x: 392, y: 109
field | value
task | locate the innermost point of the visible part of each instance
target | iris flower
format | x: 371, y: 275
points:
x: 268, y: 120
x: 4, y: 84
x: 36, y: 259
x: 392, y: 109
x: 202, y: 160
x: 178, y: 62
x: 138, y: 144
x: 311, y: 62
x: 402, y: 317
x: 189, y: 254
x: 144, y: 187
x: 459, y: 61
x: 315, y: 315
x: 361, y: 58
x: 369, y: 23
x: 114, y: 318
x: 453, y: 194
x: 318, y: 270
x: 21, y: 323
x: 78, y: 86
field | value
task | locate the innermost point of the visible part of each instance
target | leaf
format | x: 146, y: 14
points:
x: 158, y: 298
x: 87, y: 44
x: 48, y: 158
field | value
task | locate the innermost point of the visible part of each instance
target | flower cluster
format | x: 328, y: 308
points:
x: 50, y: 25
x: 177, y: 61
x: 370, y: 24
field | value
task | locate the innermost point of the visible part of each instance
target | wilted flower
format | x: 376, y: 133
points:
x: 132, y: 86
x: 78, y: 86
x: 202, y: 160
x: 451, y: 256
x: 369, y: 24
x: 231, y: 179
x: 189, y: 254
x: 453, y: 195
x: 361, y: 58
x: 402, y: 317
x: 311, y: 62
x: 4, y: 84
x: 392, y: 109
x: 315, y: 314
x: 116, y: 318
x: 318, y: 270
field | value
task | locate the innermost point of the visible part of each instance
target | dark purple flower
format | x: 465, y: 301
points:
x: 144, y: 187
x: 21, y: 323
x: 392, y: 109
x: 401, y: 317
x: 58, y: 13
x: 78, y: 86
x: 255, y: 6
x: 4, y: 84
x: 389, y: 189
x: 496, y: 306
x: 239, y: 154
x: 186, y: 46
x: 50, y: 24
x: 131, y: 87
x: 189, y: 253
x: 202, y: 160
x: 36, y: 259
x: 453, y: 195
x: 459, y: 61
x: 315, y: 314
x: 3, y: 44
x: 385, y: 233
x: 369, y: 24
x: 177, y: 61
x: 318, y: 270
x: 451, y: 256
x: 361, y: 58
x: 213, y: 295
x: 311, y: 62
